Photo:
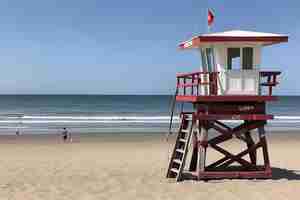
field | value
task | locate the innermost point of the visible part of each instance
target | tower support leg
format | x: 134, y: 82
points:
x: 193, y: 164
x: 202, y: 147
x: 250, y: 143
x: 262, y: 137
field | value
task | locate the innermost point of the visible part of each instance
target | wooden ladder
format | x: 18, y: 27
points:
x: 180, y: 151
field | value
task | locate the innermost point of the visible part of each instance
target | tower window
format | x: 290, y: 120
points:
x: 233, y: 58
x: 240, y: 58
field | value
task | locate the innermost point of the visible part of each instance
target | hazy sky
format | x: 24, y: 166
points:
x: 129, y: 47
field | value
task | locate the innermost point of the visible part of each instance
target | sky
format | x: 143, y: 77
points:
x: 129, y: 47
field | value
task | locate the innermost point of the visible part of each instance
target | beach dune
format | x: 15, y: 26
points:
x: 128, y: 166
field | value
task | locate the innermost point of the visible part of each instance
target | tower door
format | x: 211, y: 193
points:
x: 247, y: 58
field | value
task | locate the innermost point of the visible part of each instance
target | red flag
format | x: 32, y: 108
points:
x: 210, y: 17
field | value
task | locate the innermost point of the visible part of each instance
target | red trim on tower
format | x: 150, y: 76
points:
x: 226, y: 98
x: 181, y: 46
x: 242, y: 39
x: 195, y: 42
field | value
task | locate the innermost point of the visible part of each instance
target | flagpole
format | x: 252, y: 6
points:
x: 209, y: 24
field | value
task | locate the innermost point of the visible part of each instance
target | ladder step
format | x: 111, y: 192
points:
x: 189, y: 118
x: 182, y: 140
x: 184, y: 131
x: 175, y: 170
x: 177, y: 161
x: 180, y: 150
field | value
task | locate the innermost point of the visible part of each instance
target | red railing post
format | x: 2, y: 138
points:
x: 271, y: 80
x: 210, y: 85
x: 270, y: 87
x: 197, y: 86
x: 209, y: 80
x: 216, y: 82
x: 178, y: 83
x: 270, y: 90
x: 199, y: 81
x: 184, y: 87
x: 192, y: 89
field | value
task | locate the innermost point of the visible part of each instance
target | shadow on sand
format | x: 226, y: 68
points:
x: 279, y: 173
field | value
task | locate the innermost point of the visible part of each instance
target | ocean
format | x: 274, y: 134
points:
x: 48, y: 114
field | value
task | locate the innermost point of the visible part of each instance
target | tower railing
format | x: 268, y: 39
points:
x: 206, y: 83
x: 269, y: 79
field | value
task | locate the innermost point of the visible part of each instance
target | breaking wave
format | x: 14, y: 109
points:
x: 28, y: 119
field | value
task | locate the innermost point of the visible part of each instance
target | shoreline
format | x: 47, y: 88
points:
x: 122, y: 137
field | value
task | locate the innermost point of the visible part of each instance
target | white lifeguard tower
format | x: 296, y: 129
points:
x: 236, y: 56
x: 229, y: 86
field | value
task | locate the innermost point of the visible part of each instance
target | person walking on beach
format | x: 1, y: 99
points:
x: 64, y: 135
x: 19, y: 125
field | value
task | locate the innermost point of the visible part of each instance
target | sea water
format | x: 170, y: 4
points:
x: 47, y: 114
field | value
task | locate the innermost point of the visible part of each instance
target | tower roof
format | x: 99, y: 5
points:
x: 234, y: 36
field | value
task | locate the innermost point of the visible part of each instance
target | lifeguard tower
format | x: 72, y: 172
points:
x: 230, y: 87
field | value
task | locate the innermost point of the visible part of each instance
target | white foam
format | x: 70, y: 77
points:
x: 27, y: 119
x: 13, y: 127
x: 127, y: 117
x: 287, y: 117
x: 84, y: 121
x: 100, y: 117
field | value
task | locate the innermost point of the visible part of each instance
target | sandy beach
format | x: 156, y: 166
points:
x: 128, y: 166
